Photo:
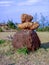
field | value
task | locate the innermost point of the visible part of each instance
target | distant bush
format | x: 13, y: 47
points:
x: 43, y: 29
x: 11, y: 25
x: 2, y: 41
x: 1, y: 30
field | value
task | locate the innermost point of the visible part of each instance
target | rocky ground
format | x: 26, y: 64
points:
x: 9, y: 55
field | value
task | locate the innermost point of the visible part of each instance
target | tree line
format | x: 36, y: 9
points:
x: 43, y: 21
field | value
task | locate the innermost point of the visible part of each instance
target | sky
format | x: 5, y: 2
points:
x: 13, y: 9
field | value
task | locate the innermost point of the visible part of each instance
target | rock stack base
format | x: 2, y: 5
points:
x: 26, y: 38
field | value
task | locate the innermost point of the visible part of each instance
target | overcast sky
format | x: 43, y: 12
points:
x: 12, y: 9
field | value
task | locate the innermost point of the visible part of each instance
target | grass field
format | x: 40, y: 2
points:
x: 9, y: 55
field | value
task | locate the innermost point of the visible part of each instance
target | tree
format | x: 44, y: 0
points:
x: 35, y: 17
x: 11, y: 25
x: 47, y: 21
x: 43, y: 19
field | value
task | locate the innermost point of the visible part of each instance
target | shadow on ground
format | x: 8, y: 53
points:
x: 45, y: 45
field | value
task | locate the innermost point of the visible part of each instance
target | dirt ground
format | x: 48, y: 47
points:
x: 4, y: 35
x: 44, y: 36
x: 9, y: 56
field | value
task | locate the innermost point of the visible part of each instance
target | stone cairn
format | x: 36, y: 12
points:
x: 26, y: 37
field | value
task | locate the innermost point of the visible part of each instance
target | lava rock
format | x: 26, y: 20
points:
x: 26, y: 38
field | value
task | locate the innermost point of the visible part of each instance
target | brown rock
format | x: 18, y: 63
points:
x: 34, y: 26
x: 26, y: 38
x: 26, y: 18
x: 28, y: 25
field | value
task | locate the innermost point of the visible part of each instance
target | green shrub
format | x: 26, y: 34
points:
x: 1, y: 30
x: 39, y: 29
x: 11, y: 25
x: 23, y: 50
x: 43, y: 29
x: 2, y: 41
x: 47, y: 28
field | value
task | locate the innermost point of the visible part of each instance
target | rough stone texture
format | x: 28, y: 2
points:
x: 26, y: 38
x: 26, y: 18
x: 29, y: 25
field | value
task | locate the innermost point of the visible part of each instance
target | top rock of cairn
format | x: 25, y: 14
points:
x: 27, y: 22
x: 26, y: 18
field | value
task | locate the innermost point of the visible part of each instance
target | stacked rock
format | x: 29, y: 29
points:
x: 26, y: 37
x: 27, y: 22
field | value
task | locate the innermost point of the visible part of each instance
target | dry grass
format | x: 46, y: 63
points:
x: 44, y: 36
x: 9, y: 55
x: 4, y: 35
